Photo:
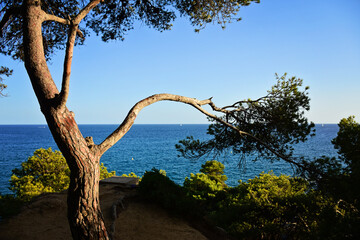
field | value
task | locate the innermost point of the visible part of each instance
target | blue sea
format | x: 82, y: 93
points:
x: 147, y: 146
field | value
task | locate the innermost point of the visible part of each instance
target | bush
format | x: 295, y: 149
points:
x: 45, y: 171
x: 205, y: 185
x: 265, y: 207
x: 201, y: 186
x: 104, y: 172
x: 158, y: 188
x: 275, y: 207
x: 338, y: 177
x: 130, y: 175
x: 215, y: 171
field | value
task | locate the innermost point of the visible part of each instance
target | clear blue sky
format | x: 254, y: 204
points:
x: 318, y: 41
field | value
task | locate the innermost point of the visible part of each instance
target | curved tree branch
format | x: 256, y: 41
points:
x: 130, y: 118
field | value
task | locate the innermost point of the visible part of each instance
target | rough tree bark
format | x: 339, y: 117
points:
x: 84, y: 214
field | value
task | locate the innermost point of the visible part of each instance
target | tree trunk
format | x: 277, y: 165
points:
x: 84, y: 214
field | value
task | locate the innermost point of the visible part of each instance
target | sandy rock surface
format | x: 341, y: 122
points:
x: 45, y: 218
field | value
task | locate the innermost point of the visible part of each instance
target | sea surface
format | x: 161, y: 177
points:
x: 147, y: 146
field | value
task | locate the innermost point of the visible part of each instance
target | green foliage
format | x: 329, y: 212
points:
x: 201, y: 186
x: 266, y: 207
x: 158, y: 188
x: 204, y: 12
x: 110, y: 19
x: 277, y: 120
x: 46, y: 171
x: 208, y: 183
x: 275, y: 207
x: 339, y: 177
x: 266, y: 187
x: 54, y: 34
x: 215, y: 171
x: 7, y: 72
x: 347, y: 142
x: 161, y: 171
x: 104, y: 172
x: 130, y: 175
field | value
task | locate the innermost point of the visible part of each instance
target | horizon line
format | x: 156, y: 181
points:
x: 2, y: 124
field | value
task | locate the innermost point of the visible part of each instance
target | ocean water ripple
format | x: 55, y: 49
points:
x: 147, y: 146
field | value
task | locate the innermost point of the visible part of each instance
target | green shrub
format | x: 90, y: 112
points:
x: 205, y: 185
x: 339, y: 176
x: 215, y: 171
x: 45, y: 171
x: 130, y: 175
x: 267, y: 187
x: 158, y: 188
x: 161, y: 171
x: 265, y: 207
x: 104, y: 172
x: 201, y: 186
x: 275, y: 207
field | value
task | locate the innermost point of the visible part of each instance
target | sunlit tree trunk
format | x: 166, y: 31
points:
x: 84, y: 214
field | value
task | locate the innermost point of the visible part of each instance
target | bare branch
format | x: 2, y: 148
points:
x: 80, y: 33
x: 246, y: 101
x: 67, y: 65
x: 223, y: 110
x: 50, y: 17
x: 130, y: 118
x: 86, y: 10
x: 219, y: 119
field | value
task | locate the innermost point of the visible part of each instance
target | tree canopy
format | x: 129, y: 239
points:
x: 7, y: 72
x: 110, y: 19
x: 347, y: 142
x: 339, y: 176
x: 266, y: 127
